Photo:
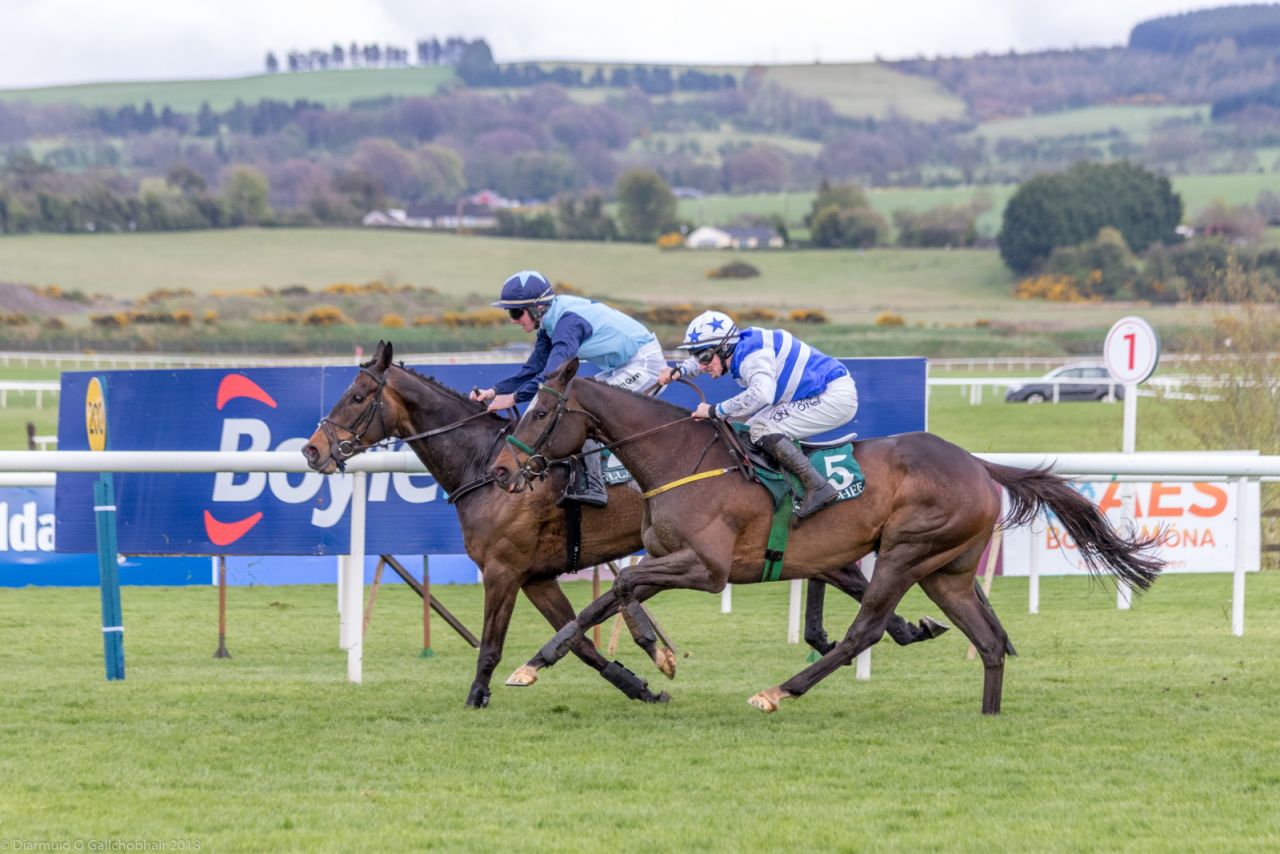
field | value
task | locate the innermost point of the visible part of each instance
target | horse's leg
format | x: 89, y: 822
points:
x: 549, y: 599
x: 897, y: 568
x: 645, y: 634
x: 683, y: 569
x: 851, y: 581
x: 815, y: 633
x: 500, y: 588
x: 956, y: 595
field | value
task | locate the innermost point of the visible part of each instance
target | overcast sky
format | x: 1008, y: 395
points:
x: 74, y: 41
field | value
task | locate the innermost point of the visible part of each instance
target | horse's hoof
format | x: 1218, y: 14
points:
x: 478, y: 698
x: 932, y: 627
x: 666, y: 661
x: 524, y: 676
x: 768, y: 699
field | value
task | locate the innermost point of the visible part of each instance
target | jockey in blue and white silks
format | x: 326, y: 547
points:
x: 627, y: 353
x: 791, y: 391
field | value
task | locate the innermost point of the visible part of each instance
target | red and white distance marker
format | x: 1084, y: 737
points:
x: 1131, y: 351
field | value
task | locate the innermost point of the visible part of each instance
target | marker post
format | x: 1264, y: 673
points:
x: 104, y: 512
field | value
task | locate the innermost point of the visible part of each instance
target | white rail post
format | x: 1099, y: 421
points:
x: 726, y: 599
x: 1237, y: 575
x: 862, y: 664
x: 793, y: 613
x: 1033, y: 572
x: 352, y: 581
x: 1129, y: 444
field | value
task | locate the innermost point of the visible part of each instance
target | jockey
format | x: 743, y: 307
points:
x: 792, y: 391
x: 627, y: 354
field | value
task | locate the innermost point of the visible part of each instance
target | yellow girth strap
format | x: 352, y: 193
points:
x: 702, y: 475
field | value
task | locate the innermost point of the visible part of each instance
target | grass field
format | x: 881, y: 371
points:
x: 869, y: 89
x: 931, y: 287
x: 1135, y: 122
x: 331, y: 88
x: 1142, y: 730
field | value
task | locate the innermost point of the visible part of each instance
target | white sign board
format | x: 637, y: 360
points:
x: 1131, y: 350
x: 1198, y: 521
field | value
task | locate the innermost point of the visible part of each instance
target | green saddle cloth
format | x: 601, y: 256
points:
x: 842, y: 471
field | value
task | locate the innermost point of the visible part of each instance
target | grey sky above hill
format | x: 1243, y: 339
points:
x: 76, y: 41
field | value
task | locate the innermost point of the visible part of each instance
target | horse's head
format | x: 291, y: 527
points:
x: 553, y: 427
x: 363, y: 416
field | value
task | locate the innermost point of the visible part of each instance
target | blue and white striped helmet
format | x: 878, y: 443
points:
x: 524, y: 289
x: 710, y: 329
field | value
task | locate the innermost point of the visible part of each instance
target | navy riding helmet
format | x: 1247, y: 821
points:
x: 524, y: 290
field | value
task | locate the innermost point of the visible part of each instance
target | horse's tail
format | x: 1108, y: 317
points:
x: 1102, y: 548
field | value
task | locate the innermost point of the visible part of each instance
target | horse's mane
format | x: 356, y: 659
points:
x: 673, y: 409
x: 474, y: 406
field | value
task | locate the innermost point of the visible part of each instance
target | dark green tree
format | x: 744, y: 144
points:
x: 1069, y: 208
x: 646, y: 204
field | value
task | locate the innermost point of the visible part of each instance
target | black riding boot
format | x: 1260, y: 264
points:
x: 817, y: 492
x: 587, y: 484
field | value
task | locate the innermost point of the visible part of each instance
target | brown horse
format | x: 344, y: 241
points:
x: 518, y: 541
x: 928, y: 510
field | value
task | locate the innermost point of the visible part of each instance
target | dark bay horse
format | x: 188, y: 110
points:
x: 928, y: 510
x: 518, y: 541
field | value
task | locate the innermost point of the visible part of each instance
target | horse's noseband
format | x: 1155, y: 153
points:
x: 533, y: 453
x: 344, y: 449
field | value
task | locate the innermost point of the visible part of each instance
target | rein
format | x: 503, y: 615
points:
x: 344, y: 449
x: 528, y: 473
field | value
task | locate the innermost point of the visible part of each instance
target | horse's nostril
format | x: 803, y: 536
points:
x: 501, y: 473
x: 311, y: 452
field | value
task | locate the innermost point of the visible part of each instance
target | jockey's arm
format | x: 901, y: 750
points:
x: 571, y: 330
x: 524, y: 382
x: 760, y: 376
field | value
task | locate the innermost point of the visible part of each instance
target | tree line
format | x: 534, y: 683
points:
x: 429, y: 51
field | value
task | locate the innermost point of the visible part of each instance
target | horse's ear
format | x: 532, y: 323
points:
x: 383, y: 356
x: 570, y: 369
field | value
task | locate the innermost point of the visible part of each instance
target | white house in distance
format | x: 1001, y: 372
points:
x: 446, y: 216
x: 710, y: 237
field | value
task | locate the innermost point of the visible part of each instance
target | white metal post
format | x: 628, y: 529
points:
x: 1033, y: 572
x: 353, y: 583
x: 793, y: 613
x: 1129, y: 440
x: 862, y: 664
x: 1237, y: 576
x: 726, y: 599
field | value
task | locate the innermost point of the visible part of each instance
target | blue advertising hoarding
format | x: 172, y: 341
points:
x: 306, y: 514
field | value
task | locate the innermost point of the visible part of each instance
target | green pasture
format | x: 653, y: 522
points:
x: 1135, y: 122
x: 869, y: 89
x: 1141, y: 730
x: 847, y: 284
x: 1197, y: 191
x: 332, y: 88
x: 709, y: 145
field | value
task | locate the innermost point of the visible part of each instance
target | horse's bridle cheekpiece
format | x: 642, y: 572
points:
x: 345, y: 449
x: 527, y: 471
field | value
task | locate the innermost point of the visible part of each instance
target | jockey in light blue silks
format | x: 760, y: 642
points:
x: 627, y: 354
x: 792, y: 391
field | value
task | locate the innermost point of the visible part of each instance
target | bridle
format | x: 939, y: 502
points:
x: 533, y: 453
x: 344, y: 449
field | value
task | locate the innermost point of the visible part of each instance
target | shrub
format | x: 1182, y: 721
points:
x: 571, y: 290
x: 677, y: 314
x: 325, y: 315
x: 16, y: 319
x: 286, y: 318
x: 757, y: 315
x: 807, y: 315
x: 295, y: 291
x: 182, y: 317
x: 392, y: 320
x: 54, y: 324
x: 210, y: 318
x: 670, y: 240
x: 115, y: 320
x: 888, y: 318
x: 473, y: 319
x: 425, y: 320
x: 734, y: 270
x: 1054, y: 287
